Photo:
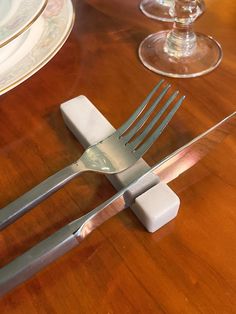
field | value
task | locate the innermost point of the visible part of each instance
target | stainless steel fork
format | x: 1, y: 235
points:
x: 114, y: 154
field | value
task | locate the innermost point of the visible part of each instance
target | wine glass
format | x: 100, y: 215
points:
x: 160, y: 9
x: 181, y: 52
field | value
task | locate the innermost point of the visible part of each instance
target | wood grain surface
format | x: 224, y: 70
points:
x: 186, y: 267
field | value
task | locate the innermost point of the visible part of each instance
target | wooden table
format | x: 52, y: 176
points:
x: 186, y: 267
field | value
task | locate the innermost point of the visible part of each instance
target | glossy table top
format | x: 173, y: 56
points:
x: 186, y: 267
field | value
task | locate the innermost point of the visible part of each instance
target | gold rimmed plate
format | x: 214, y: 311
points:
x: 16, y: 16
x: 34, y: 48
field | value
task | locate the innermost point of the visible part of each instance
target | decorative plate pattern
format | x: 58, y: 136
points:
x: 16, y: 16
x: 38, y: 45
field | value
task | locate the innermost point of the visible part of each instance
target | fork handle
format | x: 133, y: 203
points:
x: 30, y: 199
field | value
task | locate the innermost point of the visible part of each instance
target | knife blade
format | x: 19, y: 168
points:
x: 48, y: 250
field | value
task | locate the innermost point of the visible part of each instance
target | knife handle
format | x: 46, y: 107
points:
x: 41, y: 255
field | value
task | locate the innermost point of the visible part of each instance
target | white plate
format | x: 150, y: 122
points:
x: 16, y: 16
x: 34, y: 48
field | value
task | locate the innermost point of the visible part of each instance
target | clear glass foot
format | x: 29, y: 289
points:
x: 204, y: 58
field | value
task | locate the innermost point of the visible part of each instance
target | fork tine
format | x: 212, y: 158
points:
x: 138, y: 140
x: 139, y: 110
x: 141, y: 122
x: 148, y: 143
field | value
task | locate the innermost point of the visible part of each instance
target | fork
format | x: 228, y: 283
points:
x: 113, y: 154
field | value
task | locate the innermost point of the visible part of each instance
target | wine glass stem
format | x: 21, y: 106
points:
x: 181, y: 40
x: 166, y: 3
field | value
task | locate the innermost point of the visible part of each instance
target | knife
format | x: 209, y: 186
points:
x: 48, y: 250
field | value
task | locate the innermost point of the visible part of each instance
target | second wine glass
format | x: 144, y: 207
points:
x: 181, y: 52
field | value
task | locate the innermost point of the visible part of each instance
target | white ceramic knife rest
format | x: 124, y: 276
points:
x: 155, y: 207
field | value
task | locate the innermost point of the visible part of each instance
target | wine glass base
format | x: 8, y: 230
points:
x: 205, y: 57
x: 155, y: 10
